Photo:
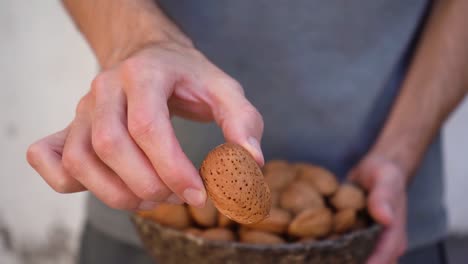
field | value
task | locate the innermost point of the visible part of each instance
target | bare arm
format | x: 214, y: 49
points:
x: 117, y: 28
x: 435, y: 84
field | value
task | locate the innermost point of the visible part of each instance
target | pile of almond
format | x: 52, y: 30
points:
x: 292, y: 202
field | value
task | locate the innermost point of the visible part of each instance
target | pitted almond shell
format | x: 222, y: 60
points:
x: 235, y: 184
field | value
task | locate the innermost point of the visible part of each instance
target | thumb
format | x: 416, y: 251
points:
x: 383, y: 201
x: 239, y: 120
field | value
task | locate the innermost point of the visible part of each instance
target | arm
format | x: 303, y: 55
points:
x: 436, y: 83
x: 121, y: 145
x: 116, y: 29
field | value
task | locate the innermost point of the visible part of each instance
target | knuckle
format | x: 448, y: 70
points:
x: 132, y: 66
x: 233, y: 84
x: 251, y: 113
x: 63, y: 185
x: 153, y: 192
x: 106, y: 141
x: 122, y: 201
x: 177, y: 179
x: 72, y: 161
x: 141, y: 124
x: 99, y: 83
x: 33, y: 155
x: 83, y: 105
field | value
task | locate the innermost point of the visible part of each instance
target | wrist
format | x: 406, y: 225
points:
x: 134, y: 42
x: 402, y: 161
x: 120, y: 28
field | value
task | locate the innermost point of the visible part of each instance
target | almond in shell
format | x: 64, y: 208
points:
x: 206, y: 216
x: 323, y: 180
x: 171, y: 215
x: 235, y: 184
x: 218, y: 234
x: 277, y: 222
x: 349, y: 196
x: 314, y: 222
x: 259, y: 237
x: 344, y: 220
x: 299, y: 196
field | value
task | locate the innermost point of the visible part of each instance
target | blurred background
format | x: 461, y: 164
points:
x: 45, y: 67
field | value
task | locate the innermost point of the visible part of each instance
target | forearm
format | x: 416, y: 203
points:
x: 117, y: 28
x: 435, y: 84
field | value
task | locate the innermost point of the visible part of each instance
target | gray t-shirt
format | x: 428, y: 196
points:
x: 323, y: 74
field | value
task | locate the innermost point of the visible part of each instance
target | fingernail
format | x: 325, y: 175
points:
x: 195, y: 197
x: 174, y: 199
x: 147, y: 205
x: 256, y: 150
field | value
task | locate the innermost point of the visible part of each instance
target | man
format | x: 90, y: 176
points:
x: 360, y: 88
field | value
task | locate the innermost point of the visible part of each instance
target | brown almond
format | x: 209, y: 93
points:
x: 349, y: 196
x: 275, y: 198
x: 224, y: 221
x: 205, y: 216
x: 279, y: 177
x: 323, y: 180
x: 218, y: 234
x: 312, y: 223
x: 273, y: 165
x: 171, y: 215
x: 193, y: 231
x: 344, y: 220
x: 277, y: 222
x: 259, y: 237
x: 235, y: 184
x: 298, y: 197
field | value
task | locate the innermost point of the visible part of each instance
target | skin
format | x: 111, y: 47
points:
x: 151, y: 71
x: 434, y: 86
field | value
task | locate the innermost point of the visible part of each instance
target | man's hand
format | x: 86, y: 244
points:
x: 435, y: 84
x: 386, y: 184
x: 121, y: 145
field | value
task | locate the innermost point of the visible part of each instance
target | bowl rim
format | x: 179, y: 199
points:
x: 294, y: 246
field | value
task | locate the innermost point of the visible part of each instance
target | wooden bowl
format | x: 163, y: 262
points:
x: 170, y: 246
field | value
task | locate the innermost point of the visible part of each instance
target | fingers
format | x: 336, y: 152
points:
x: 80, y: 161
x: 386, y: 204
x: 239, y: 120
x: 45, y: 156
x: 392, y: 242
x: 149, y: 125
x: 114, y: 146
x: 382, y: 202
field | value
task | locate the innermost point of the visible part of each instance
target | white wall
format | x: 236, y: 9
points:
x: 45, y: 67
